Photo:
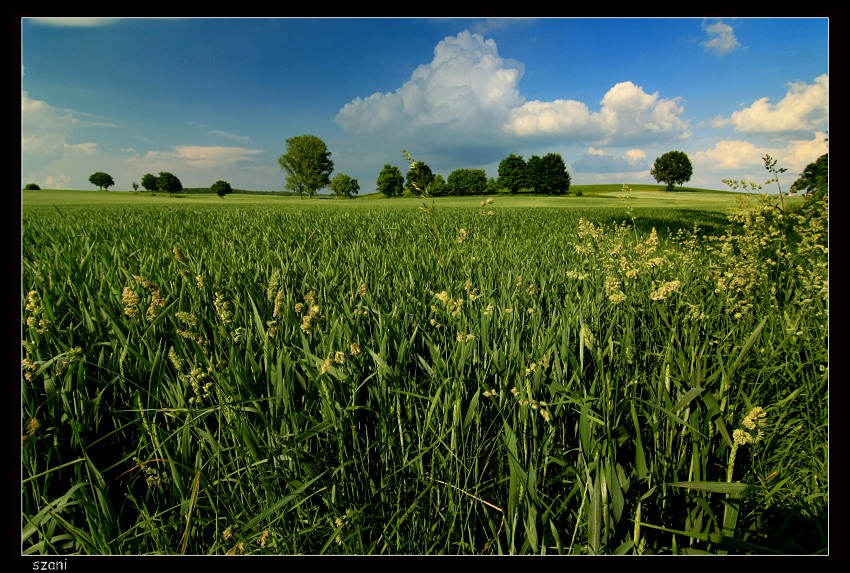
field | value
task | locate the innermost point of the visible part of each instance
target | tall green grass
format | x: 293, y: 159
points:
x: 304, y: 379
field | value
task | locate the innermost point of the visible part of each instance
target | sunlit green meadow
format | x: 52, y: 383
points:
x: 625, y: 372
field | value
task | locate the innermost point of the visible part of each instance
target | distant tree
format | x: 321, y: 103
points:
x: 221, y: 188
x: 32, y: 187
x: 419, y: 177
x: 814, y: 179
x: 390, y: 181
x: 673, y: 168
x: 307, y: 163
x: 439, y: 187
x: 467, y: 182
x: 168, y: 182
x: 344, y: 186
x: 512, y: 173
x: 150, y: 183
x: 135, y: 186
x: 534, y: 174
x: 547, y: 175
x: 553, y: 177
x: 493, y: 186
x: 101, y: 180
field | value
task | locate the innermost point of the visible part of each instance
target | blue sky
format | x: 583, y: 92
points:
x: 217, y: 98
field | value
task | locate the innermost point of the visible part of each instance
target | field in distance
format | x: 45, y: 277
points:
x: 593, y: 196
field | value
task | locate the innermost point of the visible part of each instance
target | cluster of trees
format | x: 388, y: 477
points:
x: 309, y: 166
x: 169, y: 183
x: 545, y: 175
x: 344, y: 186
x: 165, y: 181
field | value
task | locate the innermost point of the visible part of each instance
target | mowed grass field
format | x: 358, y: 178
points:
x: 630, y: 371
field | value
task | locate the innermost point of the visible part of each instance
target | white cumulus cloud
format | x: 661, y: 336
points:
x: 466, y: 86
x: 635, y: 156
x: 799, y: 153
x: 559, y: 117
x: 626, y: 113
x: 466, y: 105
x: 44, y: 129
x: 61, y: 181
x: 629, y: 111
x: 805, y: 108
x: 730, y: 155
x: 741, y: 159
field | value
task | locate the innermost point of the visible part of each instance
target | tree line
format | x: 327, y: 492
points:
x: 545, y: 175
x: 308, y: 166
x: 166, y: 182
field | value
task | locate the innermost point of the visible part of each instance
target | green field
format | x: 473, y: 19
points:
x: 630, y: 371
x: 645, y: 195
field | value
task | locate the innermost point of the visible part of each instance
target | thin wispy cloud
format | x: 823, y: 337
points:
x: 44, y: 128
x: 228, y: 135
x: 600, y: 161
x: 193, y: 162
x: 203, y: 156
x: 489, y: 25
x: 721, y: 40
x: 75, y: 22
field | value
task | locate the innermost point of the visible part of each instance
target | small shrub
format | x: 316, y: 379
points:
x: 32, y: 187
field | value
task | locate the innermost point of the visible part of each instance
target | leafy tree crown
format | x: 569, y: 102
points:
x: 390, y: 181
x: 149, y: 182
x: 168, y: 182
x: 344, y: 185
x: 673, y: 168
x: 815, y: 178
x: 221, y: 188
x: 101, y: 180
x: 513, y: 173
x: 307, y: 163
